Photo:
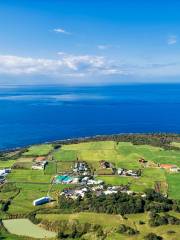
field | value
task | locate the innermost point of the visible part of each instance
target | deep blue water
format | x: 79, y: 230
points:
x: 36, y: 114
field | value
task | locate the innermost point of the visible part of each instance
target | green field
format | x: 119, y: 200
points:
x: 111, y: 222
x: 21, y: 175
x: 175, y: 144
x: 23, y: 202
x: 39, y: 150
x: 50, y: 168
x: 173, y: 180
x: 65, y: 155
x: 64, y: 166
x: 7, y: 164
x: 123, y: 154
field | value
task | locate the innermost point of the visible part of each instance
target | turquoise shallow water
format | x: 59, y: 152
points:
x: 63, y: 178
x: 37, y: 114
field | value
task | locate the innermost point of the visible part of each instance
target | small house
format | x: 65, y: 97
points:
x: 39, y: 165
x: 174, y: 169
x: 40, y: 159
x: 169, y: 167
x: 120, y: 171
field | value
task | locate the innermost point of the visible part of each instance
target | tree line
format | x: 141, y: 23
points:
x: 119, y: 203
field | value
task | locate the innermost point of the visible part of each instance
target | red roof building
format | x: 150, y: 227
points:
x: 167, y: 166
x: 40, y: 159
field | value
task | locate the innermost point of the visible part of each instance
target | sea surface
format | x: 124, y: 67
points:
x: 36, y: 114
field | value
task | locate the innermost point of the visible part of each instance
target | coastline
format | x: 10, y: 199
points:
x: 98, y: 137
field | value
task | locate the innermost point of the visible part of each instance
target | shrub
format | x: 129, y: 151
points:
x: 141, y: 222
x: 122, y: 228
x: 126, y: 229
x: 152, y: 236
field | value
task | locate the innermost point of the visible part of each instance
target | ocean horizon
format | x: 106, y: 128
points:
x: 37, y: 114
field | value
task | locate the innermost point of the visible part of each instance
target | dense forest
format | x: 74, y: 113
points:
x: 120, y: 203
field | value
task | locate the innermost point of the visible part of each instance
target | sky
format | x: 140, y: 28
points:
x: 77, y: 42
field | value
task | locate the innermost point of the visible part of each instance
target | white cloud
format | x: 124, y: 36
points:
x: 65, y: 65
x: 61, y: 53
x: 83, y: 69
x: 103, y: 47
x: 61, y: 30
x: 172, y: 40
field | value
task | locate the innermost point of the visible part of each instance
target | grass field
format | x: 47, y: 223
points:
x: 22, y: 203
x: 64, y: 166
x: 25, y: 159
x: 123, y: 154
x: 175, y: 144
x: 173, y: 180
x: 93, y: 218
x: 111, y: 222
x: 21, y: 175
x: 39, y: 150
x: 7, y: 164
x: 50, y: 168
x: 65, y: 155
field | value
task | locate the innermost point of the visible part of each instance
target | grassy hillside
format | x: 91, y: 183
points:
x: 111, y: 223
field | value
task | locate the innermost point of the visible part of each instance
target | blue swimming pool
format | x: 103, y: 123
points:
x: 63, y: 179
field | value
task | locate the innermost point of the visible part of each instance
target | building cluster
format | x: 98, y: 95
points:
x: 125, y: 172
x: 74, y: 193
x: 3, y: 173
x: 90, y: 181
x: 81, y: 168
x: 95, y: 189
x: 39, y: 163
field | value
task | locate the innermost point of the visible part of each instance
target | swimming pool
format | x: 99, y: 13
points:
x: 63, y: 179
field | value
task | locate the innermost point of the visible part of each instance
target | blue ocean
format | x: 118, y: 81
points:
x: 36, y: 114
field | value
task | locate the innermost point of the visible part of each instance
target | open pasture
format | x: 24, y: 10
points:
x: 39, y: 150
x: 122, y: 154
x: 7, y: 163
x: 110, y: 224
x: 22, y: 175
x: 50, y: 168
x: 173, y: 180
x: 22, y: 203
x: 65, y: 155
x: 64, y: 166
